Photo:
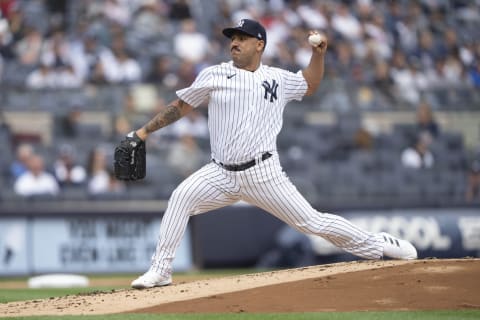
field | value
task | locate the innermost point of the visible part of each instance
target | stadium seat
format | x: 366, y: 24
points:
x: 74, y: 192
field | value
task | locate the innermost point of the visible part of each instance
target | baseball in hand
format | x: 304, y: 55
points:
x: 316, y: 39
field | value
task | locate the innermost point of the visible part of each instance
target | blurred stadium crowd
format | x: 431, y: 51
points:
x: 76, y: 76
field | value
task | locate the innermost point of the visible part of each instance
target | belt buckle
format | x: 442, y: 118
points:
x: 258, y: 159
x: 240, y: 167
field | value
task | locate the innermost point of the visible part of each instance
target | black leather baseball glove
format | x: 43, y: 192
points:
x: 130, y: 158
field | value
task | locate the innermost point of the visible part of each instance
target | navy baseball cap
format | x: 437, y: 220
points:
x: 250, y: 27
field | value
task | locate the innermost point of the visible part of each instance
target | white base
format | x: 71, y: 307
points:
x: 58, y: 281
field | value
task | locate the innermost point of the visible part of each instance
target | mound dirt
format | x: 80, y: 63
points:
x: 365, y: 285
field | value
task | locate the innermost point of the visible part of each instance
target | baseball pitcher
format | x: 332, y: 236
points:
x: 246, y: 100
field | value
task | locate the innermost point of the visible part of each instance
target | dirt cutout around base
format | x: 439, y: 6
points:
x: 354, y: 286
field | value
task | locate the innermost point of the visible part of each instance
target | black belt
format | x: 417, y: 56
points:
x: 242, y: 166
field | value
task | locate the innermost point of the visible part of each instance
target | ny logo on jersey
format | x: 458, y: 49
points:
x: 270, y: 89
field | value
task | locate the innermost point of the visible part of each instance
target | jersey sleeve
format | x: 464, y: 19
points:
x: 295, y: 85
x: 199, y: 90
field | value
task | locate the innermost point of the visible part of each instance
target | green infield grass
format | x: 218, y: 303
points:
x: 21, y: 292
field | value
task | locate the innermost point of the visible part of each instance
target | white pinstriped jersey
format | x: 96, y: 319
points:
x: 245, y: 115
x: 244, y: 108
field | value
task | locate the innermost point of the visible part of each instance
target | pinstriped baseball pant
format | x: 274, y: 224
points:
x: 266, y: 186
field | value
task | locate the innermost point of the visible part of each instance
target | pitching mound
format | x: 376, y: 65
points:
x: 355, y: 286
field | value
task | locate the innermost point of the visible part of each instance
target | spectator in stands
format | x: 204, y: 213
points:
x: 185, y: 156
x: 149, y: 23
x: 127, y: 68
x: 57, y: 10
x: 7, y: 7
x: 48, y: 77
x: 345, y: 23
x: 455, y: 74
x: 189, y: 38
x: 160, y: 71
x: 474, y: 74
x: 65, y: 77
x: 56, y: 50
x: 427, y: 50
x: 22, y: 155
x: 16, y: 21
x: 345, y: 64
x: 419, y: 155
x: 376, y: 31
x: 67, y: 171
x: 466, y: 53
x: 68, y: 123
x: 194, y: 124
x: 90, y: 57
x: 136, y: 105
x: 313, y: 15
x: 122, y: 68
x: 451, y: 41
x: 122, y: 126
x: 473, y: 182
x: 100, y: 179
x: 425, y: 120
x: 302, y: 54
x: 117, y: 11
x: 186, y: 73
x: 405, y: 29
x: 382, y: 80
x: 6, y: 41
x: 97, y: 75
x: 41, y: 78
x: 409, y: 81
x: 36, y: 181
x: 180, y: 10
x: 114, y: 185
x: 29, y: 48
x: 436, y: 76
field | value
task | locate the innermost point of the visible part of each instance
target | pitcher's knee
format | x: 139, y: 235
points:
x: 316, y: 223
x: 307, y: 227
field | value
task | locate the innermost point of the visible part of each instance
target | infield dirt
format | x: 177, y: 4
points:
x: 354, y: 286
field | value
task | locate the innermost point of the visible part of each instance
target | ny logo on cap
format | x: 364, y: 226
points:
x: 240, y: 23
